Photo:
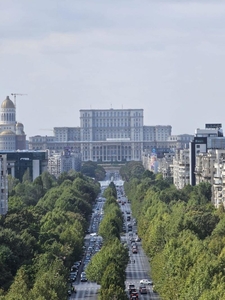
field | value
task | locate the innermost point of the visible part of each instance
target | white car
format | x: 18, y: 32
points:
x: 146, y: 281
x: 93, y: 234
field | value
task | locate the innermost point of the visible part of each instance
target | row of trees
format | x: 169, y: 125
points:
x: 108, y: 266
x: 43, y: 234
x: 183, y: 235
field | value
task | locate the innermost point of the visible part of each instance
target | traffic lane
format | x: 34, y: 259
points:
x: 139, y: 267
x: 137, y: 271
x: 86, y: 290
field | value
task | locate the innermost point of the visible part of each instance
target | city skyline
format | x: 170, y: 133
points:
x: 163, y: 56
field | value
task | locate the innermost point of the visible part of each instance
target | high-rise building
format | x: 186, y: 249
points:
x: 18, y: 162
x: 211, y: 137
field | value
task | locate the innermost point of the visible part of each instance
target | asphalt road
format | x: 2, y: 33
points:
x: 137, y: 269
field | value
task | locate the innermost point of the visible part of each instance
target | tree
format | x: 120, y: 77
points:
x: 50, y: 285
x: 19, y: 290
x: 12, y: 182
x: 132, y: 169
x: 112, y: 252
x: 112, y: 276
x: 26, y: 176
x: 114, y: 292
x: 201, y: 222
x: 93, y: 170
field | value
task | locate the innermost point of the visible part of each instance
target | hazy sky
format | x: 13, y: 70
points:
x: 167, y: 57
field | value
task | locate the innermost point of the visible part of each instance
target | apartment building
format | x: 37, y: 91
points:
x: 209, y: 138
x: 181, y: 167
x: 165, y: 165
x: 64, y: 162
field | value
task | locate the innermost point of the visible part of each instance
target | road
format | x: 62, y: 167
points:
x: 137, y: 269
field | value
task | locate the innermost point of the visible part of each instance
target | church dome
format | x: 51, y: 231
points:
x: 7, y: 132
x: 18, y: 124
x: 7, y: 103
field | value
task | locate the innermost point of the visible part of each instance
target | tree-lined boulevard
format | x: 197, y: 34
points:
x: 50, y: 220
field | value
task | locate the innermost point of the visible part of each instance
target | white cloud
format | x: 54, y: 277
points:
x: 164, y: 56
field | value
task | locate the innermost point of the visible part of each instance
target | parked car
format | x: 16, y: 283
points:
x: 83, y: 279
x: 83, y: 274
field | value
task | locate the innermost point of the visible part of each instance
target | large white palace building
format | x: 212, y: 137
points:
x: 106, y: 135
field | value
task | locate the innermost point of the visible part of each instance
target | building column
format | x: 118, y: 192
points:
x: 91, y: 152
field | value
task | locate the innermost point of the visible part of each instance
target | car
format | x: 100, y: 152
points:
x: 143, y: 289
x: 83, y: 279
x: 74, y: 268
x: 93, y: 234
x: 133, y: 297
x: 134, y: 294
x: 146, y: 281
x: 83, y: 274
x: 73, y: 278
x: 131, y: 287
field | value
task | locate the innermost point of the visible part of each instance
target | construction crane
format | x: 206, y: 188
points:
x: 16, y: 94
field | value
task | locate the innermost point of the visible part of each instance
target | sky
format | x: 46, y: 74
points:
x: 164, y: 56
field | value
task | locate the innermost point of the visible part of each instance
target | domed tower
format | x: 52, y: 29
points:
x: 8, y: 112
x: 19, y: 128
x: 20, y: 137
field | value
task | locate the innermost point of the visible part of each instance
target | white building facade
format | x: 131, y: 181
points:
x: 106, y: 135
